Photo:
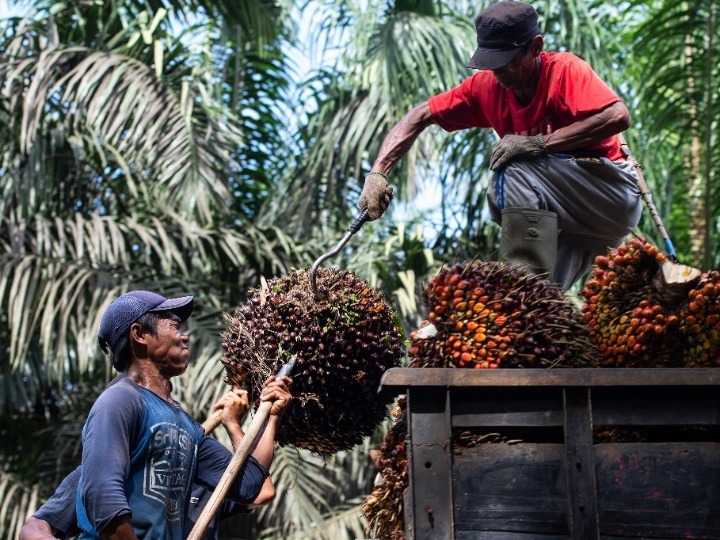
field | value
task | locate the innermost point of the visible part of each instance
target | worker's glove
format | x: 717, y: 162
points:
x: 512, y: 147
x: 376, y: 195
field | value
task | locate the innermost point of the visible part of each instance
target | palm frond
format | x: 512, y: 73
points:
x: 17, y: 502
x: 57, y: 277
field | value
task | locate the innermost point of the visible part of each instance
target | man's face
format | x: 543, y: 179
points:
x: 168, y: 347
x: 518, y: 73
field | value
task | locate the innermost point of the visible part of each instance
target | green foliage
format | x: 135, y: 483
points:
x: 679, y: 44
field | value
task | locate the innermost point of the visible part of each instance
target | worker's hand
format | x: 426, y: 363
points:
x: 512, y: 147
x: 376, y: 196
x: 36, y: 529
x: 233, y: 405
x: 277, y: 391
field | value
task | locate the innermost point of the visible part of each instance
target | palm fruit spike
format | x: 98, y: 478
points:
x: 496, y: 315
x: 631, y: 322
x: 383, y: 508
x: 700, y: 323
x: 344, y: 343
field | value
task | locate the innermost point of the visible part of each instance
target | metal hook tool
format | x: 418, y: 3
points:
x: 355, y: 227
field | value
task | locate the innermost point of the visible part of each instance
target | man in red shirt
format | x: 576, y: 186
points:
x: 562, y: 190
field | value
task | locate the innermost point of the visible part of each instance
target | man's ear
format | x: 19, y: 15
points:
x: 137, y: 333
x: 537, y: 45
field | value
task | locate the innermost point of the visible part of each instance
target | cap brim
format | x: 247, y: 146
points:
x: 182, y: 306
x: 491, y: 58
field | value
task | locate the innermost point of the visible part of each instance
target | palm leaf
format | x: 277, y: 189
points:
x: 18, y: 501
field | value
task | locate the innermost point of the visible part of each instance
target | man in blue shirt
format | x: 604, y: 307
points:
x: 141, y: 451
x: 57, y: 518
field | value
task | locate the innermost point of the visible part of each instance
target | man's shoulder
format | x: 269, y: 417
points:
x: 484, y: 76
x: 121, y: 392
x: 121, y: 386
x: 562, y: 58
x: 482, y: 83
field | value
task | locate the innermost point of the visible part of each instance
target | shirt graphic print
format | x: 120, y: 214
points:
x: 168, y: 465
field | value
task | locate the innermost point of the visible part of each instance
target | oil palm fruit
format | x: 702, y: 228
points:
x: 496, y: 315
x: 634, y: 323
x: 383, y: 509
x: 480, y: 315
x: 343, y: 341
x: 629, y: 320
x: 699, y: 319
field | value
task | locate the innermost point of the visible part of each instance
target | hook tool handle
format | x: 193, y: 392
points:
x: 355, y: 227
x: 647, y: 197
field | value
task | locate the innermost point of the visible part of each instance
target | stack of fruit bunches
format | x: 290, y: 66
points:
x: 636, y: 325
x: 383, y: 509
x: 700, y: 323
x: 343, y: 341
x: 496, y: 315
x: 481, y: 315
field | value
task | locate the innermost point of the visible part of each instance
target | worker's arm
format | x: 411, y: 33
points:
x: 113, y: 419
x: 213, y: 457
x: 402, y: 136
x: 267, y: 494
x: 37, y: 529
x: 613, y: 119
x: 377, y: 193
x: 232, y: 408
x: 57, y: 517
x: 586, y: 132
x: 276, y: 391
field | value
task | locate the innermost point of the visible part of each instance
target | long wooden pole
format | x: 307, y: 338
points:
x: 212, y: 422
x: 647, y: 197
x: 241, y: 453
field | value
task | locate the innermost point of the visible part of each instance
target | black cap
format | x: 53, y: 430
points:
x: 502, y: 29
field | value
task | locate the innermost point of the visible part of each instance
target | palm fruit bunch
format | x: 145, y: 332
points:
x: 700, y: 323
x: 636, y: 323
x: 628, y: 318
x: 496, y: 315
x: 383, y: 509
x: 481, y: 315
x: 343, y: 342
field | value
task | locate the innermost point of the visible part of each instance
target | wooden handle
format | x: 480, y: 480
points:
x: 212, y: 422
x: 241, y: 453
x: 239, y: 457
x: 647, y: 197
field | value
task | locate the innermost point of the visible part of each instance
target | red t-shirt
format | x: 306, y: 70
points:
x: 568, y: 90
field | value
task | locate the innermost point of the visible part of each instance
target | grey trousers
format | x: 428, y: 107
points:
x: 597, y: 202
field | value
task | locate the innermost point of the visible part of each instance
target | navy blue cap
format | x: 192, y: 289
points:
x: 502, y: 29
x: 128, y: 308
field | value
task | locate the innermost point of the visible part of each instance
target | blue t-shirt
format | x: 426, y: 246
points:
x: 59, y: 510
x: 139, y: 458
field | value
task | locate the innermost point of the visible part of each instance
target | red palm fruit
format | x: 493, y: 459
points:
x: 509, y: 305
x: 622, y: 302
x: 699, y: 325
